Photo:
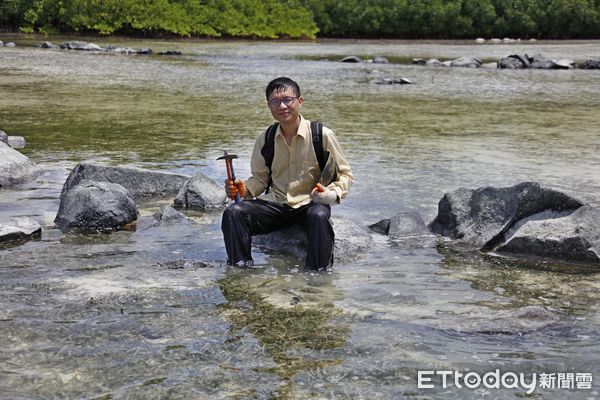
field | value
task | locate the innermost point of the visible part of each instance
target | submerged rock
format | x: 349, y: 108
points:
x: 351, y: 240
x: 590, y: 64
x: 482, y: 217
x: 20, y: 228
x: 380, y: 60
x: 170, y: 53
x: 78, y: 45
x: 95, y: 206
x: 200, y: 193
x: 168, y: 215
x: 15, y: 168
x: 570, y: 236
x: 141, y: 183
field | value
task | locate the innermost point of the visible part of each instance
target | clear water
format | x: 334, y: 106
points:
x: 147, y: 313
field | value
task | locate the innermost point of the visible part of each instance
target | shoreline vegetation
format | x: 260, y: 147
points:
x: 306, y: 19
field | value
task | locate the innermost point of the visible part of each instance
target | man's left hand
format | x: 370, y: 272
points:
x: 326, y: 196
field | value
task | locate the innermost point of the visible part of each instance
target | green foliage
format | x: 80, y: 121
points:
x: 305, y: 18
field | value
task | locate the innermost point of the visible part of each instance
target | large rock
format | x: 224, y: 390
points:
x: 141, y: 183
x: 570, y: 236
x: 77, y: 45
x: 15, y: 168
x: 95, y: 206
x: 168, y: 215
x: 482, y: 217
x: 17, y: 142
x: 351, y: 59
x: 466, y: 62
x: 20, y: 228
x: 510, y: 63
x: 538, y: 61
x: 351, y: 240
x: 200, y: 193
x: 3, y: 137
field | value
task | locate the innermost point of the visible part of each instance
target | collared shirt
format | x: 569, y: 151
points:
x: 295, y: 170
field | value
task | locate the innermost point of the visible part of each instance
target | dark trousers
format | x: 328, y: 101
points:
x: 252, y: 217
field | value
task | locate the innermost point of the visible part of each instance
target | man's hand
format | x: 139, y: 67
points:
x: 233, y: 188
x: 322, y: 195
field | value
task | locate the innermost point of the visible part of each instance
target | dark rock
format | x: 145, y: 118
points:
x: 145, y: 51
x: 569, y: 236
x: 564, y: 64
x: 168, y: 214
x: 482, y: 217
x: 351, y: 59
x: 15, y: 168
x: 200, y: 193
x: 590, y: 64
x: 142, y: 183
x: 466, y: 62
x: 351, y: 240
x: 402, y: 225
x: 170, y: 53
x: 510, y: 63
x: 17, y: 142
x: 523, y: 58
x: 95, y: 206
x: 381, y: 60
x: 20, y: 228
x: 419, y: 61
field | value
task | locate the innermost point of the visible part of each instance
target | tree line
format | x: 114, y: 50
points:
x: 410, y: 19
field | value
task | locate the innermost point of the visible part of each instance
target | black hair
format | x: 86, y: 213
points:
x: 282, y: 83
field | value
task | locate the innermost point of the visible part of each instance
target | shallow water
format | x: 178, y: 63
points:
x: 151, y: 314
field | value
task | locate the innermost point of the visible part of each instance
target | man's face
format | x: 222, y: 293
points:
x: 285, y: 106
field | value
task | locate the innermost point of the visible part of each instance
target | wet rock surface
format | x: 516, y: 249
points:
x: 141, y: 183
x: 200, y: 193
x: 95, y: 206
x: 15, y: 168
x: 20, y: 228
x: 402, y: 225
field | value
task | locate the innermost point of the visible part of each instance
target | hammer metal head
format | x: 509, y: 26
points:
x: 227, y: 156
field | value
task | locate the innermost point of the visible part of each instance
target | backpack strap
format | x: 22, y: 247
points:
x: 268, y: 151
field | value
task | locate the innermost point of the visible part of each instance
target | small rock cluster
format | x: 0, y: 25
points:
x: 85, y: 46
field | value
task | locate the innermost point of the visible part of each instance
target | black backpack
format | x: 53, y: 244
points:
x: 268, y: 150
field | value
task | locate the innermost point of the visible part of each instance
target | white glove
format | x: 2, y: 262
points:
x: 326, y: 196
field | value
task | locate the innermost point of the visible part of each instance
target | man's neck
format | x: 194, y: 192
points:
x: 290, y: 129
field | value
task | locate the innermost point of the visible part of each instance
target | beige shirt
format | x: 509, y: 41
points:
x: 295, y: 169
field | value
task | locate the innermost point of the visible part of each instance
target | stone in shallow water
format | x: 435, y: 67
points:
x: 19, y: 228
x: 201, y: 193
x: 15, y: 168
x: 95, y: 206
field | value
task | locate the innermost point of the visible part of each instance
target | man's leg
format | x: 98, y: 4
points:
x: 319, y: 235
x: 241, y: 221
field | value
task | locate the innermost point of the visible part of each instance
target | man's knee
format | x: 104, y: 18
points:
x: 319, y: 213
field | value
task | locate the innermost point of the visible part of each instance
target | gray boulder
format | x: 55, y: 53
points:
x: 351, y: 59
x: 168, y: 215
x: 569, y: 236
x: 49, y: 45
x: 95, y: 206
x: 538, y: 61
x: 20, y: 228
x: 10, y: 44
x: 590, y: 64
x: 482, y: 217
x: 200, y: 193
x: 17, y: 142
x: 510, y: 63
x: 351, y: 240
x: 402, y: 225
x: 380, y: 60
x: 434, y: 62
x: 564, y: 64
x: 466, y: 62
x: 15, y: 168
x: 141, y: 183
x: 3, y: 137
x: 77, y: 45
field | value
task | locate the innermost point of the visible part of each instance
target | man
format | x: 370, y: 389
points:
x: 294, y: 173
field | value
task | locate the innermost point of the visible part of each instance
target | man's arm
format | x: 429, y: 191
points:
x: 344, y: 177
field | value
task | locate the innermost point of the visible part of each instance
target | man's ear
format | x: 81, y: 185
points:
x: 300, y: 100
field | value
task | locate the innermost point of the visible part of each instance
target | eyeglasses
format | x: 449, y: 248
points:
x: 288, y: 101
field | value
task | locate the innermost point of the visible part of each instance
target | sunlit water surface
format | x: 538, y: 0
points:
x: 153, y: 313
